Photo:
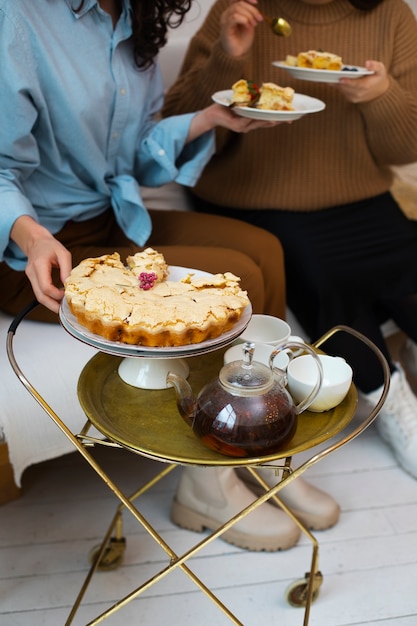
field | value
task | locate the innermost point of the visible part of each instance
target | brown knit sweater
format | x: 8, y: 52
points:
x: 337, y: 156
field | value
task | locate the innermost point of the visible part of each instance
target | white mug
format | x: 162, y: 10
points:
x: 266, y: 332
x: 266, y: 329
x: 261, y: 354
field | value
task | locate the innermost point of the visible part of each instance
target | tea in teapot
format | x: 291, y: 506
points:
x: 246, y: 411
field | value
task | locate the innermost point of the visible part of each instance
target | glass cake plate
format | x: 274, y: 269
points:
x: 147, y: 367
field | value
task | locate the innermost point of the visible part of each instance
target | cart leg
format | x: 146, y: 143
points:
x: 109, y: 554
x: 298, y: 592
x: 302, y: 592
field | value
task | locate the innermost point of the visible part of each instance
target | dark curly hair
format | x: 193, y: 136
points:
x: 150, y: 22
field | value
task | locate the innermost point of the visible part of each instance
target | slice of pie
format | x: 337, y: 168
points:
x: 275, y: 98
x: 245, y: 93
x: 268, y: 96
x: 319, y: 60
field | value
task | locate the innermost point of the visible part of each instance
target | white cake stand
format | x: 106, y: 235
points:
x: 144, y: 367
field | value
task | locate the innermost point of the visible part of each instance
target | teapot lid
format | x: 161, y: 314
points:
x: 246, y: 377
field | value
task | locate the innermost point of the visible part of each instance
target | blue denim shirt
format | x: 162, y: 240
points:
x: 78, y: 130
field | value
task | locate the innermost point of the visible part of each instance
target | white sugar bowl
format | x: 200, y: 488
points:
x: 337, y: 378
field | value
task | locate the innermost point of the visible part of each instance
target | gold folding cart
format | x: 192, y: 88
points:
x: 146, y: 422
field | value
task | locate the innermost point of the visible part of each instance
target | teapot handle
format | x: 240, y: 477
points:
x: 300, y: 347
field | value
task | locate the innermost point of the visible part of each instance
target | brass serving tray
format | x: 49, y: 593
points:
x: 148, y: 422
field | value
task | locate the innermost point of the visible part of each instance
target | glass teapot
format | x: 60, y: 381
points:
x: 246, y: 411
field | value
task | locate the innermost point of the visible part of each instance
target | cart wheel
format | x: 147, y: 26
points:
x: 298, y: 590
x: 112, y: 557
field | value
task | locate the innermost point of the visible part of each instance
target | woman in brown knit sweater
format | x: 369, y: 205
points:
x: 321, y: 184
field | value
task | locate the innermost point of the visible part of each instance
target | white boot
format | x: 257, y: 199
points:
x: 313, y: 507
x: 397, y: 420
x: 209, y: 497
x: 409, y: 357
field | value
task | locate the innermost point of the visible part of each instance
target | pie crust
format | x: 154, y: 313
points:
x: 105, y: 296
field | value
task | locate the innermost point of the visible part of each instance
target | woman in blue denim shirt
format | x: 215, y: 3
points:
x: 80, y: 90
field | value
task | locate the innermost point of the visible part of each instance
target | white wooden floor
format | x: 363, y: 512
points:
x: 369, y: 560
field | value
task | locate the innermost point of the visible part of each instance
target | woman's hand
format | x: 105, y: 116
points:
x: 368, y: 87
x: 237, y: 26
x: 44, y: 253
x: 218, y: 115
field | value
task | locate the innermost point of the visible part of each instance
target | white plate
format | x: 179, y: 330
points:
x: 323, y: 76
x: 70, y: 323
x: 302, y: 106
